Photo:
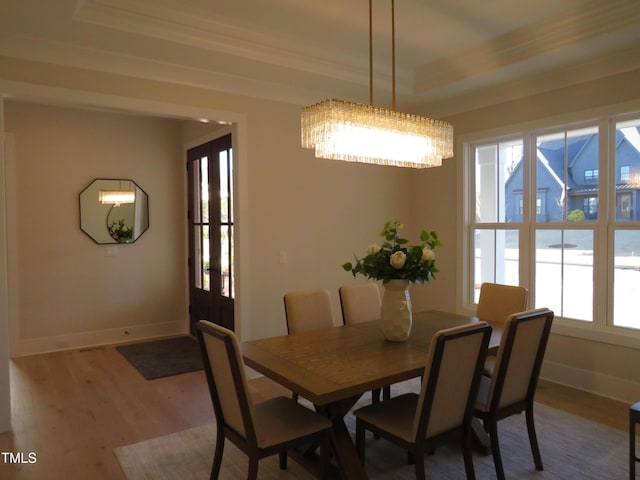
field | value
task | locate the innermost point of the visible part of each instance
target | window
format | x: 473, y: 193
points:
x: 498, y: 179
x: 591, y: 175
x: 547, y: 219
x: 624, y: 173
x: 589, y: 207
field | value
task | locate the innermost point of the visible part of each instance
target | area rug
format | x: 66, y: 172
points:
x: 163, y: 358
x: 571, y: 448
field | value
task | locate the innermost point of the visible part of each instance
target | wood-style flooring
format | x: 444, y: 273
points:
x: 71, y: 409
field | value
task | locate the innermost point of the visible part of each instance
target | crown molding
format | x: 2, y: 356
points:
x: 607, y: 65
x: 531, y: 42
x: 152, y: 19
x: 63, y: 54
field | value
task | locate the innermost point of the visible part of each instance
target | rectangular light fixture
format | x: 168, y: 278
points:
x: 116, y: 197
x: 350, y: 131
x: 355, y: 132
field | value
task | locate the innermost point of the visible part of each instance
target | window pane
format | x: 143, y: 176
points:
x: 498, y: 175
x: 567, y: 176
x: 224, y: 186
x: 626, y: 278
x: 225, y: 270
x: 627, y: 174
x: 206, y: 259
x: 204, y: 188
x: 564, y: 272
x: 496, y: 258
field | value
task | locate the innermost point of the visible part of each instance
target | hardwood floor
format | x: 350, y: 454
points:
x: 73, y: 408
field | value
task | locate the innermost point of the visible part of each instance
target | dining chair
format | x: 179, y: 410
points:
x: 443, y: 410
x: 258, y: 429
x: 361, y: 303
x: 511, y: 387
x: 498, y: 301
x: 495, y: 304
x: 307, y: 310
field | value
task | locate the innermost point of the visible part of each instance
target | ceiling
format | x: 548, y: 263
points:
x: 450, y: 55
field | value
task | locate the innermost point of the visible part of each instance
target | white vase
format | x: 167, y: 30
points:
x: 396, y: 313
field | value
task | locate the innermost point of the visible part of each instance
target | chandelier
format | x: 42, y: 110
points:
x: 354, y: 132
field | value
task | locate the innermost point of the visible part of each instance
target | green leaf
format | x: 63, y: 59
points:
x: 348, y: 266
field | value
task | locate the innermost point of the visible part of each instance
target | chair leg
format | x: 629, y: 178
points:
x: 468, y: 456
x: 360, y: 431
x: 375, y: 395
x: 325, y: 455
x: 217, y: 456
x: 282, y: 456
x: 495, y: 448
x: 418, y: 458
x: 533, y: 439
x: 386, y: 393
x: 632, y: 449
x: 252, y: 474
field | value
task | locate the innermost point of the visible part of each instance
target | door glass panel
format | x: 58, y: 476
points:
x: 226, y: 222
x: 206, y: 259
x: 224, y: 187
x: 564, y: 272
x: 204, y: 189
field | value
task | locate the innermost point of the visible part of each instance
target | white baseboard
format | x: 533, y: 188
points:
x: 605, y: 385
x: 32, y: 346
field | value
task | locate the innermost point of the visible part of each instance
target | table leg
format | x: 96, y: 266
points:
x: 342, y: 447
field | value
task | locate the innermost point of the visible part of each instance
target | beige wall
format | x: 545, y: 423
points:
x: 63, y: 285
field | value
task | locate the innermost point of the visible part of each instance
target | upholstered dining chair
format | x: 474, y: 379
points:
x: 511, y: 387
x: 360, y: 302
x: 498, y: 301
x: 307, y: 310
x: 261, y: 429
x: 443, y: 409
x: 495, y: 304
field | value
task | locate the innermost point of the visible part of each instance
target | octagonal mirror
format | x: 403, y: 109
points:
x: 114, y: 211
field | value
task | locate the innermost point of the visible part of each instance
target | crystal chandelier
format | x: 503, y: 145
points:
x: 354, y: 132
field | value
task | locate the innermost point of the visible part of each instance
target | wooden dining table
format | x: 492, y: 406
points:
x: 333, y: 367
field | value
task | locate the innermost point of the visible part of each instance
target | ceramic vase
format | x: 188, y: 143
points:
x: 396, y: 313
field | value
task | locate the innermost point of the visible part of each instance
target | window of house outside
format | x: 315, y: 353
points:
x: 557, y: 211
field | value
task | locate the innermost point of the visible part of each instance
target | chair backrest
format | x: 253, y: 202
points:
x: 224, y: 369
x: 360, y: 302
x: 519, y: 359
x: 307, y: 310
x: 451, y: 378
x: 497, y: 301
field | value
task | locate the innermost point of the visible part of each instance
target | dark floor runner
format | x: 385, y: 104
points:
x: 163, y: 358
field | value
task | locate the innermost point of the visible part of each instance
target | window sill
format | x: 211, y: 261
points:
x: 619, y: 336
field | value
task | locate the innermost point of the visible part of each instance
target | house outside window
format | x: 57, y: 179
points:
x: 561, y: 237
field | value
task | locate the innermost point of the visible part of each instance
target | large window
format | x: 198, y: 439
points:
x: 557, y: 211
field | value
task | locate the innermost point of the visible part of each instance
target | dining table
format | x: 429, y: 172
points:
x: 332, y: 367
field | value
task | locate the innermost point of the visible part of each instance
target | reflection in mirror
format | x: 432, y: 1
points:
x: 114, y: 211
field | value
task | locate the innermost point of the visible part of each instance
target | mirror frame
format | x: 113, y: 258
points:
x: 97, y: 211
